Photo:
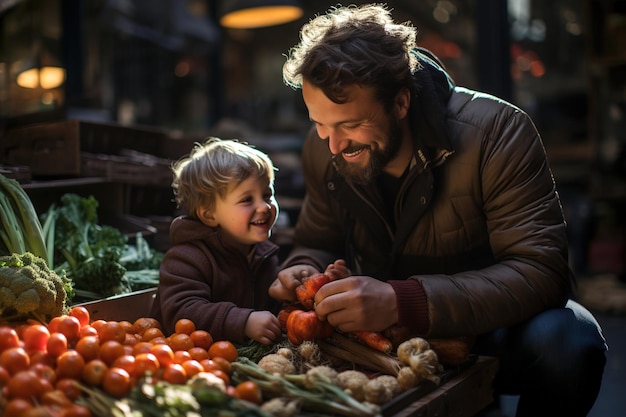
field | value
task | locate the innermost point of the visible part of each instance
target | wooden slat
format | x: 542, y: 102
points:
x: 463, y: 395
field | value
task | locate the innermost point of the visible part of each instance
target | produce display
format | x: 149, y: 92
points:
x: 75, y: 366
x: 56, y: 361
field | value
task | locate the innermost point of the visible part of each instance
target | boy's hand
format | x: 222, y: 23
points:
x: 284, y: 287
x: 263, y: 327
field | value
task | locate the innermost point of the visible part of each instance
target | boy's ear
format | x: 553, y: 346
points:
x: 206, y: 216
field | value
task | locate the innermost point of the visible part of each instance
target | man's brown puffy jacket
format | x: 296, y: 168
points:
x: 479, y: 240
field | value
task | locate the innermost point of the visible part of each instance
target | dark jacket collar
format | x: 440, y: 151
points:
x: 432, y: 90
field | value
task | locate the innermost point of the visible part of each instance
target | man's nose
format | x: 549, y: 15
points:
x: 336, y: 140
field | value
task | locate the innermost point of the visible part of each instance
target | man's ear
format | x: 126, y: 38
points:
x: 401, y: 103
x: 206, y: 216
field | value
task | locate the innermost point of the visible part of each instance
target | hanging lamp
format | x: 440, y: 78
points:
x: 250, y: 14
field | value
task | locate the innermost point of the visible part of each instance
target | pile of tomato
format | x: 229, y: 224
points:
x: 40, y: 364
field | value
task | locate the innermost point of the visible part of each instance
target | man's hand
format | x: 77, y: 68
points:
x: 263, y: 327
x: 357, y: 303
x: 284, y: 287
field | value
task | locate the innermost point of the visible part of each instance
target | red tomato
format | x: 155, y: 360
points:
x: 70, y: 365
x: 70, y: 327
x: 8, y: 338
x: 14, y: 359
x: 35, y: 337
x: 57, y: 344
x: 249, y: 391
x: 145, y: 363
x: 93, y: 372
x: 116, y: 382
x: 81, y: 313
x: 174, y: 373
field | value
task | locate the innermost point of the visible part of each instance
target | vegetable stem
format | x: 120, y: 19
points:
x: 324, y: 397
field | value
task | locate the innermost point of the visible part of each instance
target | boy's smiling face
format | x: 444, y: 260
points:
x: 247, y: 212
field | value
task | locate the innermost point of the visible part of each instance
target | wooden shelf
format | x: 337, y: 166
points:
x: 71, y: 182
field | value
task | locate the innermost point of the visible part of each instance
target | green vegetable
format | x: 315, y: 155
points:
x: 254, y: 350
x: 29, y: 289
x: 90, y: 252
x: 20, y: 229
x: 141, y: 256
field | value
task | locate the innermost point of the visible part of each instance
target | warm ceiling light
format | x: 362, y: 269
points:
x: 249, y: 14
x: 46, y: 77
x: 28, y: 78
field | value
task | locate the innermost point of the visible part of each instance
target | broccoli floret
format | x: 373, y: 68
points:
x: 29, y: 289
x: 103, y: 275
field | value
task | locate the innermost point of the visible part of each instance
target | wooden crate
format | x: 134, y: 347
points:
x: 49, y: 149
x: 127, y: 307
x: 126, y: 169
x: 463, y: 392
x: 54, y: 148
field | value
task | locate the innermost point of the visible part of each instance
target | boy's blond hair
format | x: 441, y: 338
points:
x: 211, y: 167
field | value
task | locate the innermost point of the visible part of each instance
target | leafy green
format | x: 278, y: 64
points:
x: 90, y: 252
x: 141, y: 256
x: 20, y: 229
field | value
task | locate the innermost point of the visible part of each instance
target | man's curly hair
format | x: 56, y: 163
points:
x: 353, y: 45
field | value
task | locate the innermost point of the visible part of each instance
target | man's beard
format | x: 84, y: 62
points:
x: 378, y: 159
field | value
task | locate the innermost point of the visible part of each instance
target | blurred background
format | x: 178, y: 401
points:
x: 156, y: 75
x: 99, y: 96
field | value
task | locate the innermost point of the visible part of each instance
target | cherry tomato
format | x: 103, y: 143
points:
x: 163, y: 353
x: 111, y: 350
x: 223, y: 349
x: 87, y: 330
x: 57, y: 344
x: 192, y: 367
x: 126, y: 362
x: 151, y: 333
x: 70, y: 364
x: 201, y: 338
x: 111, y: 330
x: 44, y: 371
x: 198, y: 353
x: 88, y: 347
x: 145, y: 363
x: 180, y: 341
x: 185, y: 326
x: 81, y: 313
x: 35, y: 337
x: 224, y: 364
x: 174, y: 373
x: 93, y: 372
x: 25, y: 384
x: 70, y: 327
x: 69, y: 388
x: 249, y: 391
x: 143, y: 323
x: 17, y: 407
x: 14, y: 359
x: 116, y: 382
x: 8, y: 338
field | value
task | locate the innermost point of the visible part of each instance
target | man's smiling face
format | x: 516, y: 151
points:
x: 362, y: 135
